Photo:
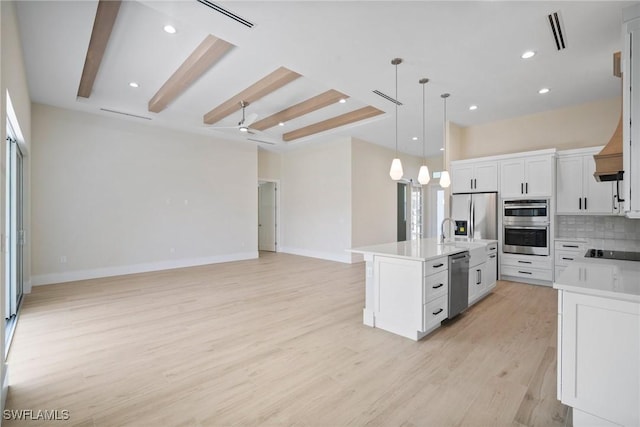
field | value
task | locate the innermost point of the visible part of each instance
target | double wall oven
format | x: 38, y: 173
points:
x: 526, y: 226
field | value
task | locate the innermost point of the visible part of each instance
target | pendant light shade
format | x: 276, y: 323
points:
x: 445, y: 179
x: 396, y: 171
x: 423, y: 175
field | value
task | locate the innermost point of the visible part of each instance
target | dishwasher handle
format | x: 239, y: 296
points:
x: 459, y: 257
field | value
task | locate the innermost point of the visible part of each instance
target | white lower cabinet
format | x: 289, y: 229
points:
x: 599, y: 359
x: 527, y: 268
x: 410, y: 296
x: 567, y: 251
x: 477, y: 282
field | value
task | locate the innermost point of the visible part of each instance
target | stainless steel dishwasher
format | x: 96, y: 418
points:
x: 458, y: 283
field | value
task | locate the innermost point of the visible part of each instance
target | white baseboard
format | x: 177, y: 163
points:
x: 330, y: 256
x: 72, y: 276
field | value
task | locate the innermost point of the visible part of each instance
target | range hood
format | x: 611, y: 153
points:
x: 609, y: 159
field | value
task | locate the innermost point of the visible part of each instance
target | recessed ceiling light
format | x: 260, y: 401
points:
x: 442, y: 149
x: 134, y: 84
x: 528, y: 54
x: 543, y: 90
x: 281, y: 124
x: 473, y: 107
x: 342, y: 101
x: 170, y: 29
x: 415, y: 138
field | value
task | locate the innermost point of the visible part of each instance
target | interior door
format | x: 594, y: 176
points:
x: 267, y: 225
x: 14, y: 230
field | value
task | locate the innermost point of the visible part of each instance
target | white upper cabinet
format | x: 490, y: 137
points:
x: 577, y: 191
x: 631, y: 111
x: 474, y: 177
x: 527, y: 177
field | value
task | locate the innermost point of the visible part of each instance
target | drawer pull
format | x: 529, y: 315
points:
x: 492, y: 256
x: 524, y: 262
x: 438, y: 312
x: 492, y: 248
x: 570, y: 246
x: 568, y: 259
x: 438, y: 265
x: 525, y: 272
x: 438, y: 286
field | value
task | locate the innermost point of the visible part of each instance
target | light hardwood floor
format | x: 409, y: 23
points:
x: 276, y: 341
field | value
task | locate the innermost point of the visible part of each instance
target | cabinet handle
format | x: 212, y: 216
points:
x: 568, y: 259
x: 478, y: 277
x: 525, y: 272
x: 585, y: 203
x: 437, y: 311
x: 580, y: 203
x: 524, y: 262
x: 492, y: 256
x: 471, y: 183
x: 475, y: 183
x: 492, y: 248
x: 438, y: 265
x: 438, y: 286
x: 526, y: 188
x: 521, y: 188
x: 570, y: 246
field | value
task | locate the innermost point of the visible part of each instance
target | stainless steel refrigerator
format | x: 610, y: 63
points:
x: 474, y: 215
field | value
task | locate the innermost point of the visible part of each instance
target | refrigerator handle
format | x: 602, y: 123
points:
x: 472, y: 218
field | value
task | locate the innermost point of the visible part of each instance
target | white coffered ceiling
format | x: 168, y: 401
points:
x: 469, y: 49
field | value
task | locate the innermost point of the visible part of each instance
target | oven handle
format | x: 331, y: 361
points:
x: 526, y: 227
x: 541, y: 205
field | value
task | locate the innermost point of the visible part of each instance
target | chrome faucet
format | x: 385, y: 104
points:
x: 442, y: 228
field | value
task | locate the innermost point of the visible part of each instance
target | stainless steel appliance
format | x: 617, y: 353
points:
x: 458, y: 283
x: 618, y: 255
x: 526, y: 227
x: 475, y: 216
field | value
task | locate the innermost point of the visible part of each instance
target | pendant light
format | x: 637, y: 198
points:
x: 396, y: 171
x: 423, y: 174
x: 445, y: 179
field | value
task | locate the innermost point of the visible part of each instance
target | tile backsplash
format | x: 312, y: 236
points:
x: 605, y: 232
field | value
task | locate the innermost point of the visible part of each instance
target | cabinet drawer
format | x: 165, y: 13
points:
x: 435, y: 286
x: 436, y: 266
x: 565, y: 257
x: 434, y: 312
x: 565, y: 245
x: 492, y: 248
x: 528, y: 261
x: 526, y: 272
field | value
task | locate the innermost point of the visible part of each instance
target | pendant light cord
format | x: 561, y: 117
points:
x: 396, y: 110
x: 424, y: 139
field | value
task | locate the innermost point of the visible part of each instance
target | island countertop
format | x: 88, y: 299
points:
x: 421, y: 249
x: 602, y: 277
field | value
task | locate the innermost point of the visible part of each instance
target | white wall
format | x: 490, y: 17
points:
x: 13, y: 81
x: 115, y: 196
x: 269, y: 165
x: 584, y: 125
x: 316, y: 200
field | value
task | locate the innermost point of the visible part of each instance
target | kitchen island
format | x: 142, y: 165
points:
x: 599, y: 341
x: 407, y: 283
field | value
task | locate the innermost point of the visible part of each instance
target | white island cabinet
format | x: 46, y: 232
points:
x: 599, y: 342
x: 407, y: 284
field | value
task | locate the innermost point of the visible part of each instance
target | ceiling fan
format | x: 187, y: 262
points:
x: 244, y: 123
x: 244, y: 126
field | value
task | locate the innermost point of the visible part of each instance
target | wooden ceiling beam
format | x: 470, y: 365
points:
x: 305, y: 107
x: 106, y: 15
x: 201, y: 59
x: 334, y: 122
x: 264, y: 86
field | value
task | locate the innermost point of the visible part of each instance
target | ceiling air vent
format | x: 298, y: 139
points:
x: 125, y: 114
x: 387, y: 97
x: 555, y: 21
x: 226, y: 13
